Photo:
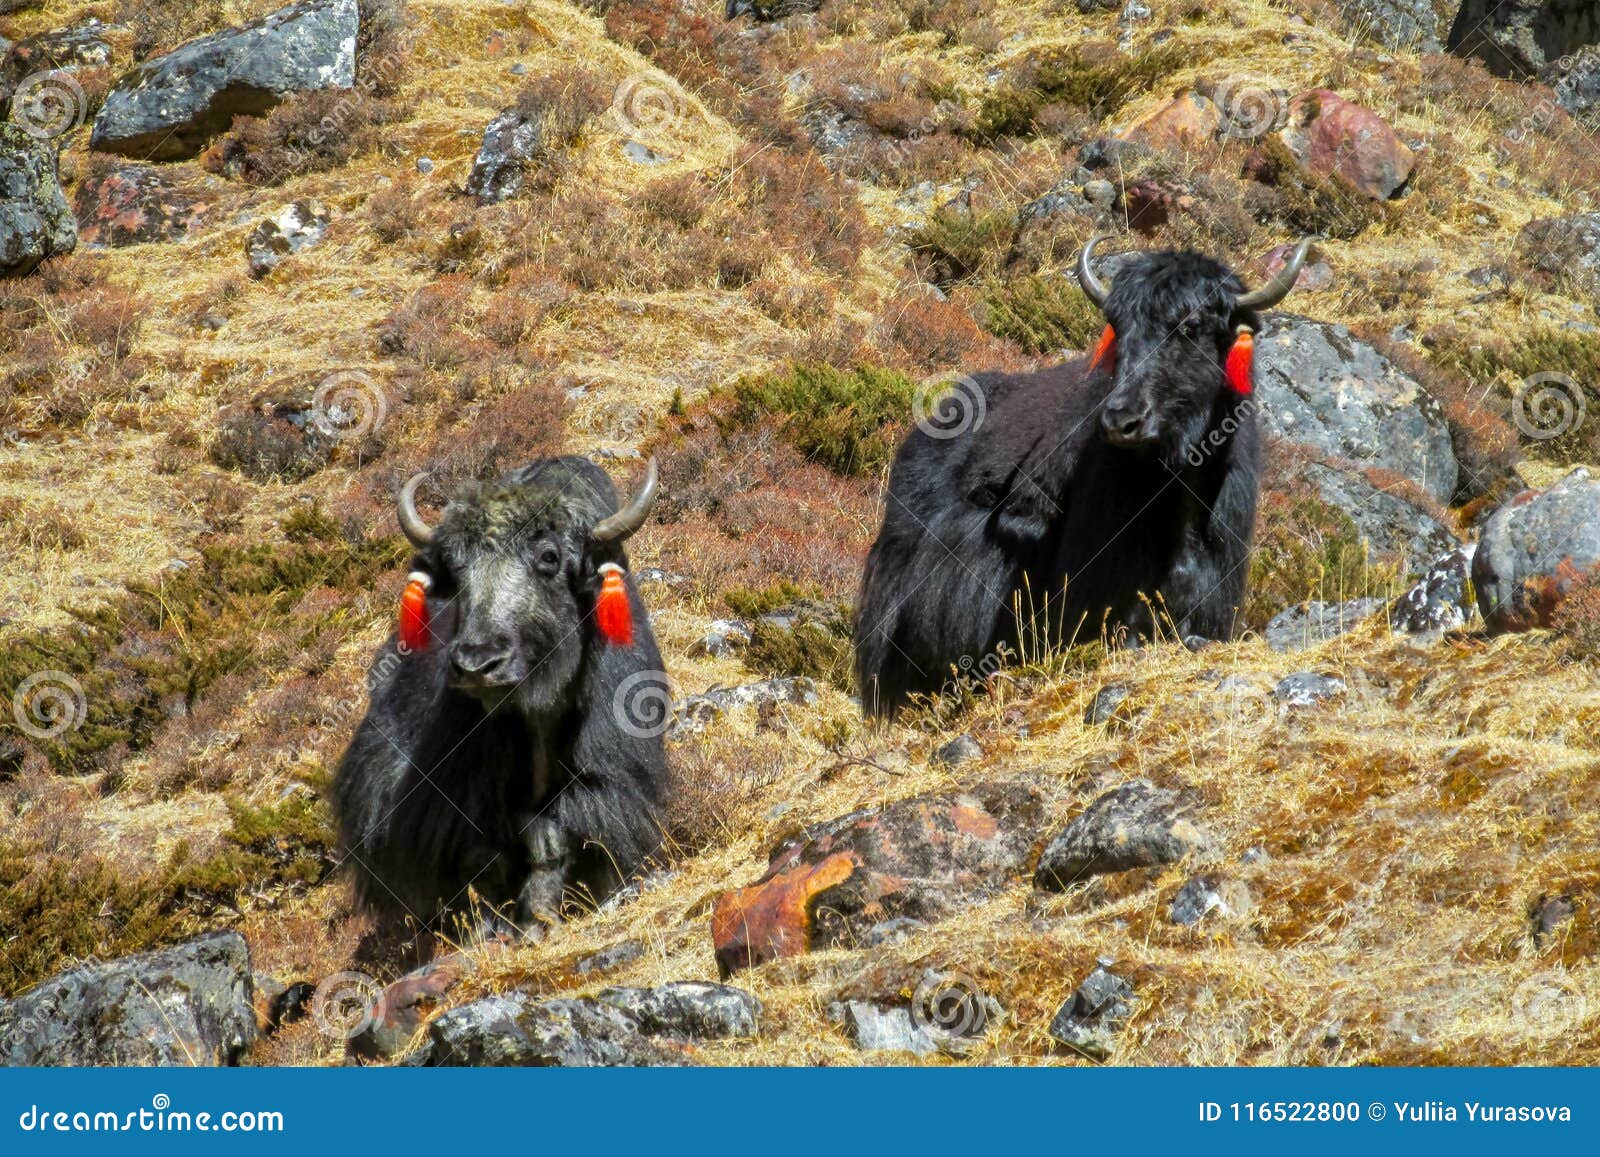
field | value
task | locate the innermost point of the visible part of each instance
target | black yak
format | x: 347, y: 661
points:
x: 1102, y: 496
x: 513, y: 744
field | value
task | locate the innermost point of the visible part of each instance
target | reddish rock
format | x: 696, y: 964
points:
x: 131, y: 205
x: 1330, y: 135
x: 920, y: 858
x: 1148, y: 205
x: 406, y: 1004
x: 1314, y: 274
x: 1188, y: 121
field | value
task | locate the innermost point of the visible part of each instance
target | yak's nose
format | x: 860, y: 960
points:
x: 481, y: 661
x: 1125, y: 425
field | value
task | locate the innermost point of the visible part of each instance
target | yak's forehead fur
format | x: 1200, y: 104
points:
x: 1163, y: 288
x: 554, y: 498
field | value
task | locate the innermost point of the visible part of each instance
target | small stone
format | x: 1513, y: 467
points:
x: 1550, y: 913
x: 643, y: 154
x: 1093, y: 1015
x: 890, y: 932
x: 296, y: 226
x: 424, y: 165
x: 961, y: 749
x: 1100, y: 193
x: 726, y: 637
x: 610, y: 959
x: 875, y: 1029
x: 1206, y: 894
x: 1442, y: 600
x: 1307, y: 689
x: 1106, y: 703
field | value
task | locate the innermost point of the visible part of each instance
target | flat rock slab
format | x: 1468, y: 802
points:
x: 170, y: 106
x: 1302, y: 627
x: 921, y: 858
x: 1137, y: 825
x: 1534, y: 549
x: 134, y: 205
x: 620, y: 1027
x: 189, y: 1005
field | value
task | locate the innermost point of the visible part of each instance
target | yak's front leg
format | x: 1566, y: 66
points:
x: 550, y: 867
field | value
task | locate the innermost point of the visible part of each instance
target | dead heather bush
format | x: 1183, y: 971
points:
x: 395, y: 212
x: 161, y: 25
x: 717, y: 788
x: 26, y: 525
x: 509, y: 431
x: 792, y: 301
x: 1578, y: 618
x: 918, y: 332
x: 309, y: 132
x: 266, y: 446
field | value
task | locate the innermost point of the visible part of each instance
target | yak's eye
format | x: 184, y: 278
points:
x: 547, y: 558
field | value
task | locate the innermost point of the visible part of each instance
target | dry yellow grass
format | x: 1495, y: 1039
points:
x: 1407, y: 830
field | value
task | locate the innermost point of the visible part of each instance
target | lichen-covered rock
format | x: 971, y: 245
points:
x: 621, y: 1026
x: 170, y: 106
x: 64, y: 49
x: 1443, y: 598
x: 1330, y: 136
x: 1308, y: 688
x: 298, y: 225
x: 1208, y: 894
x: 1137, y: 825
x: 1300, y: 627
x: 921, y: 858
x: 695, y: 713
x: 1319, y: 386
x: 1092, y: 1016
x: 1418, y: 25
x: 35, y: 220
x: 1534, y: 549
x: 188, y: 1005
x: 1562, y: 248
x: 512, y: 141
x: 134, y: 205
x: 1520, y: 38
x: 1393, y: 527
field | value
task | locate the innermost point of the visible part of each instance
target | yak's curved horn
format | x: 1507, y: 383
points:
x: 1093, y: 288
x: 1278, y: 288
x: 418, y: 531
x: 631, y: 517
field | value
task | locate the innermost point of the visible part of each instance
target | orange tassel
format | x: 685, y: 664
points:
x: 611, y: 610
x: 1106, y: 350
x: 1240, y: 357
x: 415, y: 634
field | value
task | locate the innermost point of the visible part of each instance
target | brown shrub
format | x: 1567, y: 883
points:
x: 1578, y: 618
x: 308, y: 132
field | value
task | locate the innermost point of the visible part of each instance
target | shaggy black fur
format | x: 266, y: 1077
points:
x: 1080, y: 495
x: 537, y: 783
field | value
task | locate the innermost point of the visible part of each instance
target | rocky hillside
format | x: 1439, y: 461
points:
x: 262, y: 264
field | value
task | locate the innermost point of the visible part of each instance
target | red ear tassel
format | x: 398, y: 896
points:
x: 612, y: 613
x: 1237, y: 366
x: 414, y: 632
x: 1106, y: 350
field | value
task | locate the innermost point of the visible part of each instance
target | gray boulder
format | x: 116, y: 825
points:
x: 1442, y: 600
x: 1301, y: 627
x: 169, y: 107
x: 689, y: 1010
x: 1534, y: 549
x: 1321, y: 387
x: 187, y: 1005
x: 1138, y: 825
x: 1520, y: 38
x: 1576, y: 80
x: 35, y: 220
x: 1393, y: 526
